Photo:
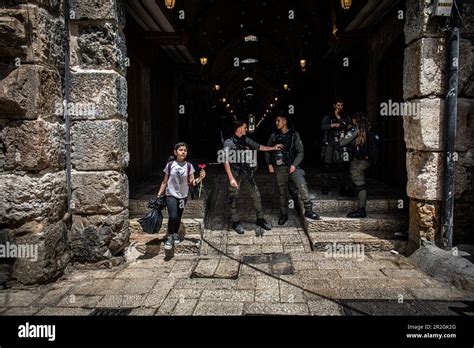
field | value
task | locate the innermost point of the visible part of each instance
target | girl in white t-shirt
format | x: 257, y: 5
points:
x: 179, y: 175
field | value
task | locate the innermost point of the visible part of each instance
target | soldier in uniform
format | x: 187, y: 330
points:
x: 285, y: 165
x: 333, y: 127
x: 357, y: 138
x: 239, y: 170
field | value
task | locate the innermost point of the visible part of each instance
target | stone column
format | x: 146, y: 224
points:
x: 32, y: 177
x: 99, y: 137
x: 425, y: 84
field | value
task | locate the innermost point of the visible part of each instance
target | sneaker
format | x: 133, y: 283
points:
x: 237, y: 226
x: 169, y: 243
x: 264, y: 224
x: 359, y: 213
x: 176, y: 239
x: 282, y: 220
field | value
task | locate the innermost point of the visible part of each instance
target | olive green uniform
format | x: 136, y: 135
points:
x: 357, y: 168
x: 282, y: 171
x: 243, y: 173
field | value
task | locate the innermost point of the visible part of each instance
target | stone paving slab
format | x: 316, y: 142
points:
x: 216, y: 308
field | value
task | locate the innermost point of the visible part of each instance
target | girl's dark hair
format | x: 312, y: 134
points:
x: 178, y: 145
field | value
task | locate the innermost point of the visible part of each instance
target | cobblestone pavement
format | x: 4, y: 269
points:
x: 283, y: 279
x: 221, y: 273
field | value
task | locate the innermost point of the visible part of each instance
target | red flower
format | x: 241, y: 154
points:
x: 202, y: 166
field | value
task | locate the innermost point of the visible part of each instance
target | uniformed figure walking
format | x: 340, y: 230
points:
x: 334, y: 127
x: 285, y: 165
x: 240, y: 165
x: 357, y: 139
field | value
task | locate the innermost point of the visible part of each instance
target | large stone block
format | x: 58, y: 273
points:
x: 98, y: 237
x: 419, y: 23
x: 100, y: 145
x: 48, y: 253
x: 25, y: 198
x: 46, y: 33
x: 425, y: 132
x: 99, y: 192
x: 99, y: 9
x: 100, y: 46
x: 466, y: 68
x: 29, y: 92
x: 425, y: 174
x: 465, y: 125
x: 425, y: 220
x: 424, y: 67
x: 34, y: 146
x: 106, y: 92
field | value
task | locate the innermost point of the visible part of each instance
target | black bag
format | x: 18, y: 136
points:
x: 374, y: 146
x: 152, y: 222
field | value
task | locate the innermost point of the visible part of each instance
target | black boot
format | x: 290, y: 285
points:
x: 237, y: 226
x: 310, y: 213
x: 283, y: 219
x: 264, y: 224
x: 359, y: 213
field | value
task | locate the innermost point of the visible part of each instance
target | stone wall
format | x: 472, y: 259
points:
x: 32, y: 155
x: 33, y: 200
x: 99, y: 139
x: 425, y: 83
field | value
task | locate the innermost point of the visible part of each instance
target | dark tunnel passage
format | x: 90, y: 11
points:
x: 197, y: 67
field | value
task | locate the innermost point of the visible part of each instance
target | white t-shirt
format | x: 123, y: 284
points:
x: 178, y: 174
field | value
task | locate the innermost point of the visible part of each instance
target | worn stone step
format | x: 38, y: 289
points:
x: 188, y: 226
x: 374, y: 222
x: 372, y: 241
x: 194, y: 208
x: 346, y: 205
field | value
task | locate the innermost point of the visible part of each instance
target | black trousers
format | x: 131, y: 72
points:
x: 175, y: 212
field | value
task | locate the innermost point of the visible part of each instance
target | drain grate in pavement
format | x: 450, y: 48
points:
x: 110, y: 312
x: 407, y: 308
x: 278, y: 264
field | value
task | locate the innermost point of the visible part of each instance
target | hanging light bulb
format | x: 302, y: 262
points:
x: 346, y: 4
x: 276, y: 99
x: 203, y: 61
x: 285, y: 86
x: 170, y: 4
x: 224, y: 100
x: 217, y: 88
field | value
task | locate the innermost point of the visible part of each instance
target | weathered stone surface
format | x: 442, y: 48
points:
x: 100, y: 46
x: 47, y: 33
x: 425, y: 174
x: 425, y: 132
x: 34, y: 146
x: 423, y: 72
x: 425, y: 221
x: 419, y: 22
x: 100, y: 145
x: 106, y: 91
x: 99, y: 192
x: 466, y: 71
x: 445, y: 266
x: 26, y: 198
x: 465, y: 124
x: 52, y: 252
x: 29, y: 92
x: 95, y: 238
x: 100, y: 9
